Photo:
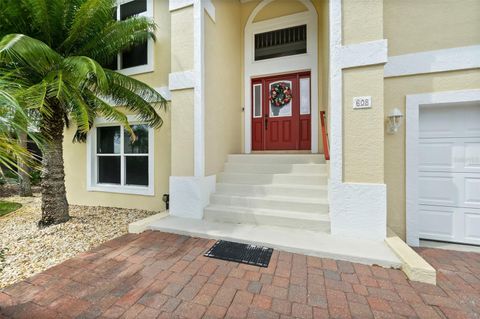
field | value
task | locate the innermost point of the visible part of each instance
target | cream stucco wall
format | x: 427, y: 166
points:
x: 412, y: 26
x: 75, y: 154
x: 182, y: 100
x: 279, y: 8
x: 396, y: 90
x: 223, y: 78
x: 363, y: 138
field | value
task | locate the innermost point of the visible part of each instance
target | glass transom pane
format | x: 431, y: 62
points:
x: 140, y: 145
x: 108, y: 140
x: 132, y: 8
x: 109, y: 169
x: 136, y: 171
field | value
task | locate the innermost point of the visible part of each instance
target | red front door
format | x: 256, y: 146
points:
x: 284, y: 126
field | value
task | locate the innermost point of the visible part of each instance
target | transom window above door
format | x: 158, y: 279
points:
x: 138, y: 59
x: 119, y: 163
x: 282, y: 42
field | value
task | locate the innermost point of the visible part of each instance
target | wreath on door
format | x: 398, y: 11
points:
x: 280, y: 94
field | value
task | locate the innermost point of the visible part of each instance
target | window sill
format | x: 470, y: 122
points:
x: 130, y: 190
x: 136, y: 70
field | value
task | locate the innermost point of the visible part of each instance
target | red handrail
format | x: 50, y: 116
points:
x: 324, y: 136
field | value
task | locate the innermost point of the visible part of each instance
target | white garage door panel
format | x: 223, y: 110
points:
x: 472, y: 227
x: 449, y: 173
x: 461, y: 120
x: 436, y: 223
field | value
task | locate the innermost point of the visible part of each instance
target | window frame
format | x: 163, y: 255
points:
x: 149, y: 67
x: 92, y: 161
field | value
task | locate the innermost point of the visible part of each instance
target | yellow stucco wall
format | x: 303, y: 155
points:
x: 75, y: 154
x: 223, y: 78
x: 75, y: 159
x: 182, y: 39
x: 396, y: 90
x: 413, y: 26
x: 279, y: 8
x: 363, y: 138
x: 362, y: 21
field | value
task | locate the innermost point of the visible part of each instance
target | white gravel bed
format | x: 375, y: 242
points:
x: 31, y: 250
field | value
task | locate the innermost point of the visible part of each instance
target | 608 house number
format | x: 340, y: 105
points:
x: 362, y: 102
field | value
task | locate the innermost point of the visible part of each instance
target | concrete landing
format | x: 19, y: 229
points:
x: 313, y: 243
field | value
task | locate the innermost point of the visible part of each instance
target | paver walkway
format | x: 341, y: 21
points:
x: 159, y: 275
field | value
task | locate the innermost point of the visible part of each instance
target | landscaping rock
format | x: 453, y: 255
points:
x: 31, y: 250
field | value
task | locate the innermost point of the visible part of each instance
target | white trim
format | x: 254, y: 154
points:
x: 199, y: 91
x: 413, y: 104
x: 366, y: 53
x: 179, y: 4
x: 150, y: 66
x: 181, y: 80
x: 356, y: 209
x: 460, y: 58
x: 210, y: 9
x: 164, y: 92
x: 189, y: 195
x: 92, y: 186
x: 288, y: 64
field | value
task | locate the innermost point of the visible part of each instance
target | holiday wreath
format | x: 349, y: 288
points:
x: 280, y: 94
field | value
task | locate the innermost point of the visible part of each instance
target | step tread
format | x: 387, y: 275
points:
x: 277, y: 198
x: 270, y: 212
x: 283, y: 174
x: 295, y: 186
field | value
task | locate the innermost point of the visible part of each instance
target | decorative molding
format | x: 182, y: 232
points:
x: 199, y: 91
x: 210, y: 9
x: 179, y: 4
x: 366, y: 53
x: 293, y: 63
x: 181, y: 80
x: 412, y: 120
x: 356, y: 209
x: 453, y: 59
x: 165, y: 92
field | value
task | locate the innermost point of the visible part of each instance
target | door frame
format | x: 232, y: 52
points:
x: 413, y: 104
x: 281, y: 65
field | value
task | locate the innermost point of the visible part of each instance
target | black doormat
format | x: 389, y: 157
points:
x: 242, y: 253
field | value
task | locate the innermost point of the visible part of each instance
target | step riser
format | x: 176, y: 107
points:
x: 237, y: 218
x: 262, y: 179
x: 276, y: 159
x: 276, y: 168
x: 268, y: 204
x: 261, y: 190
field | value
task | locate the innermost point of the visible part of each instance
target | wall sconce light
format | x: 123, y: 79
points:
x: 394, y: 120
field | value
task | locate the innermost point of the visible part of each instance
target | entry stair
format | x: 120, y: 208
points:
x: 285, y: 190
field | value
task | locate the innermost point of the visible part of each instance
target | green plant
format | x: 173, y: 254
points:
x: 51, y: 58
x: 36, y: 177
x: 8, y: 207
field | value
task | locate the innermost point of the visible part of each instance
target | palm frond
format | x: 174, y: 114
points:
x: 40, y: 16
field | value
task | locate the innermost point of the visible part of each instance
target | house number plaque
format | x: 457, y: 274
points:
x: 362, y: 102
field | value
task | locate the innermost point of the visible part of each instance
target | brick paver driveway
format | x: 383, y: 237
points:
x: 163, y: 275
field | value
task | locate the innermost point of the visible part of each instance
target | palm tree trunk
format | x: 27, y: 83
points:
x: 54, y: 199
x: 24, y: 170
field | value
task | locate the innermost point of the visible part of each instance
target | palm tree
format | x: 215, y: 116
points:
x: 54, y: 50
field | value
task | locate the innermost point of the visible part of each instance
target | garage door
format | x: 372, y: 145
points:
x: 449, y: 173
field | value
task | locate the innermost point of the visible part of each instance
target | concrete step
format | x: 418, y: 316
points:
x: 306, y: 191
x: 283, y: 203
x: 282, y: 218
x: 259, y: 179
x: 277, y: 158
x: 274, y: 168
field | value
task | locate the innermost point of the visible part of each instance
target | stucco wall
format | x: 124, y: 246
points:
x: 396, y: 89
x: 75, y: 158
x: 362, y: 21
x: 413, y: 26
x: 223, y: 78
x: 182, y: 39
x: 75, y: 154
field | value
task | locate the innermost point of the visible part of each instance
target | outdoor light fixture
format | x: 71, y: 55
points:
x: 394, y: 120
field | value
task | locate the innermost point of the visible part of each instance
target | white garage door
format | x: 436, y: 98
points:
x: 449, y: 173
